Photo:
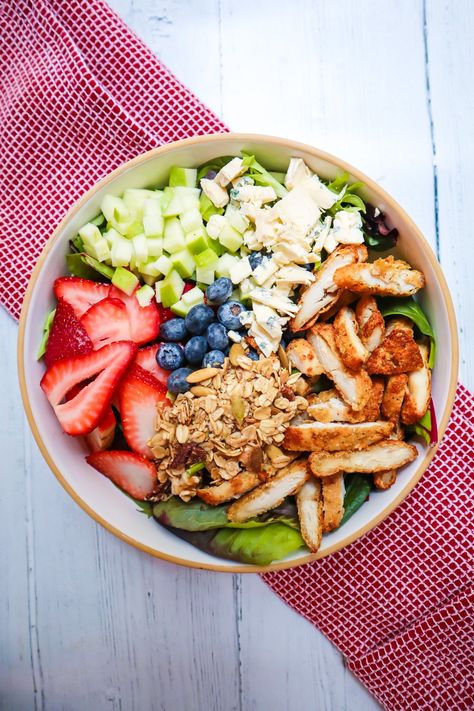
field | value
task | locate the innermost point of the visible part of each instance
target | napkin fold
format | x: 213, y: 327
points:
x: 79, y: 95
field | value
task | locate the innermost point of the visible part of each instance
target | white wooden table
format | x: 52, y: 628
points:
x: 87, y: 623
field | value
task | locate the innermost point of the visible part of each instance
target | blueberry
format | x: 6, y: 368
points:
x: 195, y: 349
x: 228, y: 314
x: 252, y: 354
x: 217, y: 337
x: 213, y: 359
x: 255, y: 259
x: 308, y: 267
x: 170, y: 356
x: 199, y: 318
x: 173, y: 330
x: 177, y: 382
x: 219, y: 291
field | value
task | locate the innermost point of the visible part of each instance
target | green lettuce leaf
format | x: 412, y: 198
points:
x: 408, y: 307
x: 82, y: 265
x: 48, y: 322
x: 358, y: 488
x: 262, y: 176
x: 215, y: 165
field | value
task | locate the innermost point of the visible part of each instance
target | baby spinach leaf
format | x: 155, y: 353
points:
x: 82, y: 265
x: 358, y: 488
x: 411, y: 309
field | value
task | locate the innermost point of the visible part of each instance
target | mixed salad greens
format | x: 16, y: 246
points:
x: 226, y: 265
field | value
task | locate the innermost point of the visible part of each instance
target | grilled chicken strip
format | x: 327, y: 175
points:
x: 335, y: 436
x: 371, y: 322
x: 333, y: 501
x: 287, y: 482
x: 418, y: 395
x: 323, y: 293
x: 377, y: 458
x: 310, y: 513
x: 393, y: 396
x: 328, y: 406
x: 302, y: 356
x: 227, y: 490
x: 346, y: 333
x: 398, y: 353
x: 355, y: 388
x: 386, y: 277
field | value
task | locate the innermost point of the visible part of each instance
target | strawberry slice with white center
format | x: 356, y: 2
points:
x: 146, y: 359
x: 140, y: 394
x: 144, y: 320
x: 103, y: 435
x: 106, y: 322
x: 83, y: 412
x: 67, y: 337
x: 132, y: 473
x: 81, y: 294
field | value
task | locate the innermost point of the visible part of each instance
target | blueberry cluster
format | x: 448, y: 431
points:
x: 201, y: 339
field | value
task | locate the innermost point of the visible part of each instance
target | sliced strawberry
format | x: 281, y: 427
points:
x: 146, y: 359
x: 132, y: 473
x: 67, y: 336
x: 144, y: 320
x: 81, y: 294
x: 83, y: 412
x: 140, y: 394
x: 164, y: 313
x: 106, y: 322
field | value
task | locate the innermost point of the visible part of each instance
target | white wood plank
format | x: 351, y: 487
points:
x: 449, y: 74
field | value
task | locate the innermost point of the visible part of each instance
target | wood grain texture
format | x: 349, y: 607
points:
x: 89, y: 623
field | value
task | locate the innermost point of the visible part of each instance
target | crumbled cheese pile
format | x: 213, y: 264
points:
x: 291, y: 232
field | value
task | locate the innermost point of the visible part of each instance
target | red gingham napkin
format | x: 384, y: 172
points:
x: 80, y: 94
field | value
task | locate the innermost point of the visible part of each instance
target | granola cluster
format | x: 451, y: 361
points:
x: 233, y: 420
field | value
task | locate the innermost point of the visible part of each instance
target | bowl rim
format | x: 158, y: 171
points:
x: 292, y: 146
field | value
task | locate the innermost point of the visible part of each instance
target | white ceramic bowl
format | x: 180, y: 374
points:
x: 65, y: 455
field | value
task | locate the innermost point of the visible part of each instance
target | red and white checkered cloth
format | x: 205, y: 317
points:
x: 80, y: 94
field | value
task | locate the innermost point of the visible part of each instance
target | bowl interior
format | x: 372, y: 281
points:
x: 66, y: 455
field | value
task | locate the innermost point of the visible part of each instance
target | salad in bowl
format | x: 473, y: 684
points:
x: 242, y: 354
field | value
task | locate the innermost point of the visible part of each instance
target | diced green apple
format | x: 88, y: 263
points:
x: 207, y: 209
x: 155, y: 246
x: 174, y: 239
x: 206, y: 259
x: 125, y: 280
x: 171, y: 289
x: 145, y: 294
x: 197, y: 241
x: 182, y: 177
x: 230, y: 238
x: 193, y: 296
x: 121, y: 252
x: 191, y: 220
x: 180, y: 308
x: 140, y: 248
x: 134, y: 199
x: 204, y: 275
x: 183, y: 262
x: 226, y: 261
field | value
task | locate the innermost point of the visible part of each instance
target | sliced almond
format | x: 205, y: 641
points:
x: 203, y: 374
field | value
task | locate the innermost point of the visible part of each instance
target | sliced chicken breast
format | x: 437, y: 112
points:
x: 346, y: 332
x: 287, y: 482
x: 231, y: 489
x: 335, y: 436
x: 384, y: 480
x: 417, y: 398
x: 385, y: 277
x: 371, y: 322
x: 333, y: 501
x: 323, y: 293
x: 398, y: 353
x: 328, y: 406
x: 393, y: 396
x: 376, y: 458
x: 302, y: 356
x: 354, y: 387
x: 310, y: 513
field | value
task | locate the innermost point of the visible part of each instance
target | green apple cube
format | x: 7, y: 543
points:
x: 172, y: 204
x: 125, y: 280
x: 155, y: 246
x: 236, y: 220
x: 180, y: 308
x: 150, y: 280
x: 193, y: 296
x: 191, y: 220
x: 112, y: 236
x: 206, y: 259
x: 186, y: 177
x: 140, y: 248
x: 230, y: 238
x: 100, y: 250
x: 207, y: 209
x: 135, y: 198
x: 158, y: 291
x: 189, y: 198
x: 216, y: 246
x: 183, y: 262
x: 164, y: 265
x: 90, y: 234
x: 204, y: 275
x: 150, y: 268
x: 145, y: 294
x: 226, y: 261
x: 174, y: 240
x: 115, y: 209
x: 197, y: 241
x: 121, y: 252
x: 171, y: 289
